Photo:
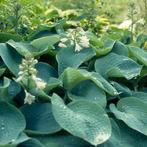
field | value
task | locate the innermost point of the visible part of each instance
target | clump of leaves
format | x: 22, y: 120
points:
x: 58, y: 96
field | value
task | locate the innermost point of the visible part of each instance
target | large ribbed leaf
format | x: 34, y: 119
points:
x: 133, y: 112
x: 88, y: 91
x: 11, y: 58
x: 114, y: 65
x: 139, y: 53
x: 45, y: 44
x: 24, y: 49
x: 12, y: 123
x: 67, y: 57
x: 71, y: 77
x: 39, y: 119
x: 82, y: 119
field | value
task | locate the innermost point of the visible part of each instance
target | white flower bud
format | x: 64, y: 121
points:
x: 29, y: 98
x: 19, y: 79
x: 39, y: 82
x: 20, y: 73
x: 64, y: 40
x: 62, y: 45
x: 78, y: 48
x: 84, y: 41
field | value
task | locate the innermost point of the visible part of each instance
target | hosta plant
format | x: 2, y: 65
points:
x: 70, y: 88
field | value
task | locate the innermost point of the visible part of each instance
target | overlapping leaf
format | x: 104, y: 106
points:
x: 83, y: 119
x: 12, y: 123
x: 11, y: 58
x: 71, y: 77
x: 67, y: 57
x: 139, y: 53
x: 60, y: 140
x: 88, y: 91
x: 113, y: 65
x: 39, y: 119
x: 133, y: 112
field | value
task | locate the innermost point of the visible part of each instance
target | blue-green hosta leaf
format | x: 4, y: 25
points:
x: 45, y: 44
x: 71, y: 77
x: 123, y: 136
x: 123, y: 90
x: 45, y: 71
x: 11, y: 58
x: 39, y: 119
x: 114, y: 65
x: 82, y: 119
x: 140, y: 95
x: 21, y: 138
x: 8, y: 89
x: 67, y: 57
x: 31, y: 143
x: 139, y: 53
x: 49, y: 75
x: 133, y: 112
x: 130, y: 137
x: 15, y: 143
x: 12, y: 123
x: 116, y: 139
x: 24, y: 49
x: 62, y: 140
x: 53, y: 83
x: 88, y: 91
x: 120, y: 49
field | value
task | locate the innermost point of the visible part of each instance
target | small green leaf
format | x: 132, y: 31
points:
x: 102, y: 47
